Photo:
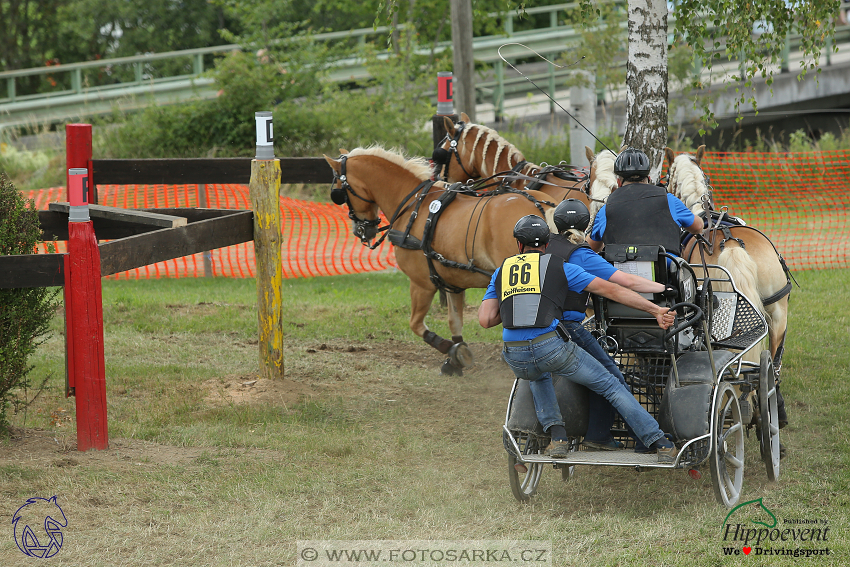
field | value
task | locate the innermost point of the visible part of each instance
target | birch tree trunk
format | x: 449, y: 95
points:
x: 646, y: 80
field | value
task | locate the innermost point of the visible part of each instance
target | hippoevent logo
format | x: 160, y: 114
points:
x: 38, y: 527
x: 752, y: 528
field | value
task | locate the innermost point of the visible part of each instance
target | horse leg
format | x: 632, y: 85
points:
x: 459, y: 354
x: 420, y: 302
x: 777, y: 314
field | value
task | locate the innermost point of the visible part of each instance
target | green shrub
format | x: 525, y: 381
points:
x: 24, y: 313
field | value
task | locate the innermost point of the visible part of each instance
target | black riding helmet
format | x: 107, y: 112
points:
x: 571, y: 213
x: 531, y: 230
x: 632, y: 164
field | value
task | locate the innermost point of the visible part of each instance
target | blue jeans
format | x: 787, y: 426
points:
x: 601, y: 414
x: 532, y: 362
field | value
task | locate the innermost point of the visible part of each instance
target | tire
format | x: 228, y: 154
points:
x: 524, y: 485
x: 769, y: 417
x: 727, y: 447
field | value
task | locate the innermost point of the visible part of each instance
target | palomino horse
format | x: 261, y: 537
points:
x: 473, y: 151
x: 757, y: 268
x: 601, y: 180
x: 464, y: 237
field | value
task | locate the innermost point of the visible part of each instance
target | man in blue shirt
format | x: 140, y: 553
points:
x: 641, y: 213
x: 527, y: 295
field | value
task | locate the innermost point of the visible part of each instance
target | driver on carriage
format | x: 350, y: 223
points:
x: 639, y: 212
x: 571, y: 218
x: 527, y: 295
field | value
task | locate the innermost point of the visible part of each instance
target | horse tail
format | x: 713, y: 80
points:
x: 744, y: 272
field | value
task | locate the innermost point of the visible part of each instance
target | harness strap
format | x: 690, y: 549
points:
x: 431, y: 254
x: 425, y: 186
x: 778, y: 295
x: 727, y: 235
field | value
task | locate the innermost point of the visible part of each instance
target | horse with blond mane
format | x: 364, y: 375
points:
x: 473, y: 151
x: 445, y: 237
x: 756, y: 266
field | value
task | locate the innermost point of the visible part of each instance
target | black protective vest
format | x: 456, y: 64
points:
x: 532, y: 289
x: 560, y: 245
x: 638, y: 213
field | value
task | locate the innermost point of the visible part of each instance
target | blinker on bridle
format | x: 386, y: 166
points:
x: 442, y: 157
x: 339, y: 195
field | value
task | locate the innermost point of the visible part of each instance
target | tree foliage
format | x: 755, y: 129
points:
x: 24, y: 313
x: 753, y: 32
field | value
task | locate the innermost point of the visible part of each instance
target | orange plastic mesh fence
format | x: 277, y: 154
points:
x: 799, y: 200
x: 317, y: 238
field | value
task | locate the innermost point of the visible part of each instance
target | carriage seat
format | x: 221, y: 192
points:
x: 633, y: 329
x: 572, y: 400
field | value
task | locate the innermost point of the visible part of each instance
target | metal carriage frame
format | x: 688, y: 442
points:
x: 697, y: 386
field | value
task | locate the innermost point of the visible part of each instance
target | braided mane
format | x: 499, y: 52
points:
x: 490, y: 136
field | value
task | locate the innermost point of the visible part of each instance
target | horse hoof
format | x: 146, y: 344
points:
x: 449, y: 369
x: 460, y: 355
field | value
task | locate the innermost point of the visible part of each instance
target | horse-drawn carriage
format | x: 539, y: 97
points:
x: 691, y: 378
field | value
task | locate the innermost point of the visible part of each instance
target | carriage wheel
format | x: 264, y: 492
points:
x: 727, y: 436
x: 524, y: 484
x: 768, y: 411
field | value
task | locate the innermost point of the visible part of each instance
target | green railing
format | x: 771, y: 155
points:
x: 96, y: 87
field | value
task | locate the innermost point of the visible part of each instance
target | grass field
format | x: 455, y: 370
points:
x: 365, y: 440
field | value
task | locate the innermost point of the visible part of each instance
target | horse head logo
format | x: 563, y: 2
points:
x: 756, y: 507
x: 38, y: 527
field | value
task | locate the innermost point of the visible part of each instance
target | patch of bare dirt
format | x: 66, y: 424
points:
x: 488, y: 378
x: 54, y: 449
x: 249, y: 389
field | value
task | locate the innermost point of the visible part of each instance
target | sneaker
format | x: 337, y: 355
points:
x: 610, y: 445
x: 558, y: 449
x: 666, y: 450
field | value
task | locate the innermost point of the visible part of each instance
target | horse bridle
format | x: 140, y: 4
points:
x: 442, y: 157
x: 339, y: 195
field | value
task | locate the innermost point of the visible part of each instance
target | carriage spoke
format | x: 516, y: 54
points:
x: 733, y: 461
x: 726, y: 407
x: 733, y: 492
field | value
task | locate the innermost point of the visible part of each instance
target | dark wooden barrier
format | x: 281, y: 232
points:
x: 203, y: 171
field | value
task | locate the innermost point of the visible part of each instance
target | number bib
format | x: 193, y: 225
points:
x: 520, y: 274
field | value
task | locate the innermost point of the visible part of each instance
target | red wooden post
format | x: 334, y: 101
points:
x: 78, y: 153
x: 87, y: 372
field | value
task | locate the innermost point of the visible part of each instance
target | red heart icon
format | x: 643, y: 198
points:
x: 747, y: 550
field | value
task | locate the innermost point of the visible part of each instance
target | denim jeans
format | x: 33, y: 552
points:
x: 533, y: 362
x: 601, y: 414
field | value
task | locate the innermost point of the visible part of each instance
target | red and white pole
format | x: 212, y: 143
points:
x: 84, y: 310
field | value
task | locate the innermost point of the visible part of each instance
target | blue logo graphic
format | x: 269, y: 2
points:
x: 38, y: 527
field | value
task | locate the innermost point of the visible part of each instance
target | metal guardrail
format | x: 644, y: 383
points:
x: 133, y: 82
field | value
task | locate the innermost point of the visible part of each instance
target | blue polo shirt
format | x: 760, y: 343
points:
x: 593, y: 264
x: 577, y: 280
x: 681, y: 214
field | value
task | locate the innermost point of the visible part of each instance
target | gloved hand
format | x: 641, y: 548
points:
x: 670, y: 292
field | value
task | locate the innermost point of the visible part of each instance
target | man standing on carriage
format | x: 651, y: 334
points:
x: 639, y: 212
x: 527, y: 295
